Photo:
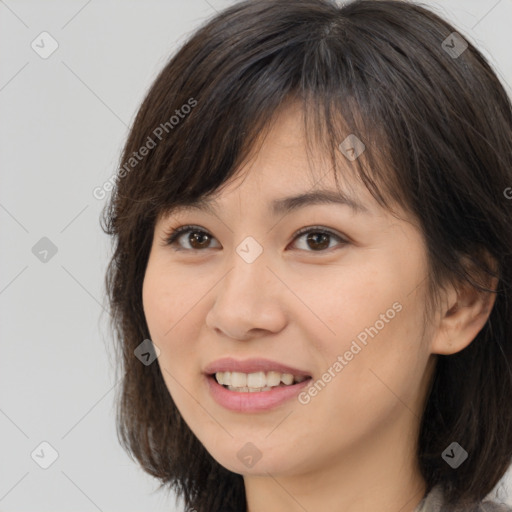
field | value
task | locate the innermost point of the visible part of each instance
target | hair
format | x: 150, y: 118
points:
x: 438, y: 135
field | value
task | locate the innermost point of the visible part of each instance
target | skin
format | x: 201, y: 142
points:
x: 352, y: 447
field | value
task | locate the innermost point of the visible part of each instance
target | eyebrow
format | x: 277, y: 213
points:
x: 286, y: 205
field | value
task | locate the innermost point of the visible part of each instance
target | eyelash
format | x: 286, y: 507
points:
x: 172, y: 236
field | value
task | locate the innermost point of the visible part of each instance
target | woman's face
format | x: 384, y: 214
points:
x: 346, y: 312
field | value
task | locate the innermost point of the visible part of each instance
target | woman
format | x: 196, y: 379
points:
x: 311, y: 277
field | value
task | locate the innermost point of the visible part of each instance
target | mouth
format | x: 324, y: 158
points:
x: 256, y: 382
x: 253, y: 385
x: 256, y: 396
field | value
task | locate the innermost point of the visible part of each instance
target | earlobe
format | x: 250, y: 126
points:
x: 464, y: 315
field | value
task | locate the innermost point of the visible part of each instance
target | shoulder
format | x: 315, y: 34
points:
x: 434, y: 502
x: 492, y: 506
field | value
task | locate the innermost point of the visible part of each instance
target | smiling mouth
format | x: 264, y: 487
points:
x: 256, y: 381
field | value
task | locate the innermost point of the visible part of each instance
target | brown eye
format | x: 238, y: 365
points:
x: 318, y: 239
x: 198, y: 239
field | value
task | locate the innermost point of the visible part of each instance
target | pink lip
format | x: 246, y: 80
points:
x: 252, y: 402
x: 228, y: 364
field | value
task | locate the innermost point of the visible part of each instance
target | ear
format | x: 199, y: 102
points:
x: 464, y: 313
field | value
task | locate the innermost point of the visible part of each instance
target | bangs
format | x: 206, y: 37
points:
x: 348, y: 115
x: 341, y: 145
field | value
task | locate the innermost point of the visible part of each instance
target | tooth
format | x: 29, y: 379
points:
x: 238, y: 380
x: 250, y: 390
x: 287, y: 378
x: 273, y: 378
x: 256, y: 380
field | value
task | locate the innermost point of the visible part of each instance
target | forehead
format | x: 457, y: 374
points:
x: 280, y: 176
x: 285, y: 160
x: 284, y: 205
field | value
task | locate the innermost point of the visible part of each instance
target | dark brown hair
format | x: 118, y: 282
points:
x: 438, y: 134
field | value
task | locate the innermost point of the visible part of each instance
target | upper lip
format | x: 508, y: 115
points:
x: 228, y: 364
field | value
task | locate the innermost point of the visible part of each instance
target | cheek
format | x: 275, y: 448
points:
x: 170, y: 309
x: 164, y: 298
x: 169, y: 328
x: 375, y: 324
x: 383, y: 365
x: 340, y: 306
x: 156, y: 306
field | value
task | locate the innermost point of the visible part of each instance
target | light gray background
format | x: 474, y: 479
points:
x: 63, y: 122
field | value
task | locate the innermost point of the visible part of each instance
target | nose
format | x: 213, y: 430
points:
x: 248, y: 301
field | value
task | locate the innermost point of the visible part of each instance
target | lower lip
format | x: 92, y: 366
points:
x: 253, y: 401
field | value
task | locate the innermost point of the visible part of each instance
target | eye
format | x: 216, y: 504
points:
x: 317, y: 238
x: 199, y: 240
